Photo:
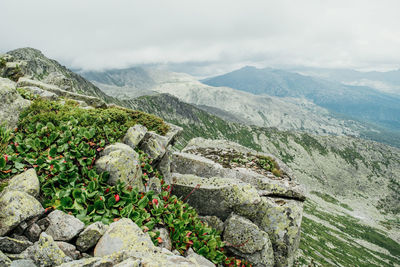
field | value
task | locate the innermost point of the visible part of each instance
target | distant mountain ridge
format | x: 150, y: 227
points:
x: 359, y: 102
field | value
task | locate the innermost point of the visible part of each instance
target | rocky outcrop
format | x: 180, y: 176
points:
x: 16, y: 207
x: 90, y: 100
x: 243, y: 187
x: 63, y: 227
x: 11, y: 103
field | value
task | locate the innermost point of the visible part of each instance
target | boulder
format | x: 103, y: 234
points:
x: 123, y: 235
x: 173, y: 133
x: 16, y: 207
x: 27, y: 182
x: 216, y: 196
x: 245, y: 239
x: 11, y: 103
x: 12, y: 245
x: 134, y: 135
x: 45, y: 252
x: 281, y: 219
x: 33, y: 232
x: 63, y: 227
x: 154, y: 145
x: 68, y: 249
x: 164, y: 166
x: 89, y: 237
x: 88, y: 262
x: 122, y: 162
x: 202, y: 261
x: 124, y: 240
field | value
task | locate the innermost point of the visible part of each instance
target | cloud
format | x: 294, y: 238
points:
x: 98, y: 34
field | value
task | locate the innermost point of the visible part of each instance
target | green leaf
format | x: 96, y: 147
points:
x: 53, y: 152
x: 66, y: 202
x: 2, y: 163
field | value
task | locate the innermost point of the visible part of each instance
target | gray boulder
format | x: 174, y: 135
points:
x: 216, y: 196
x: 154, y: 145
x: 281, y: 219
x: 12, y: 245
x: 27, y: 182
x: 122, y: 162
x: 214, y: 222
x: 173, y: 133
x: 68, y: 249
x: 11, y: 103
x: 244, y: 238
x: 202, y: 261
x: 16, y: 207
x: 89, y: 237
x: 63, y: 227
x: 129, y: 263
x: 134, y: 135
x: 33, y: 232
x: 124, y: 240
x: 45, y: 252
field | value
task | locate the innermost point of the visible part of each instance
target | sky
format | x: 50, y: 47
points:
x: 213, y: 36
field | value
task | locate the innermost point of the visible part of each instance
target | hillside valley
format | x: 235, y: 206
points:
x: 351, y: 215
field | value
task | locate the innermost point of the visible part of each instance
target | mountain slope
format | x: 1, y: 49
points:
x: 352, y: 183
x: 283, y: 113
x: 359, y: 102
x: 39, y: 67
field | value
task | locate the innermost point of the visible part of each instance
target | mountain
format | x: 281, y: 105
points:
x: 33, y: 63
x: 388, y: 81
x: 352, y: 212
x: 359, y: 102
x: 284, y: 113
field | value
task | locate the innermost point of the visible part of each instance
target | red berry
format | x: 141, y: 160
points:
x: 116, y: 197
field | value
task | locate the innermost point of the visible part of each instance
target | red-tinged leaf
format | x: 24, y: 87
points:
x: 159, y: 239
x: 116, y: 219
x: 116, y: 197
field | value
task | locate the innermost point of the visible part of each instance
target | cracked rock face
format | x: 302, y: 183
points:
x: 239, y: 185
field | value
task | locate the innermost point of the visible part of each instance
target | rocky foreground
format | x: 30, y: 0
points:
x: 250, y: 199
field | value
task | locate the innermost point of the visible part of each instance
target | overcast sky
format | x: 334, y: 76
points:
x: 224, y: 34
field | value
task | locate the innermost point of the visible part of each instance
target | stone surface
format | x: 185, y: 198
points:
x: 134, y: 135
x: 129, y: 263
x: 245, y: 239
x: 11, y: 103
x: 63, y: 227
x: 16, y: 207
x: 4, y: 260
x: 27, y: 182
x: 202, y: 261
x: 23, y: 263
x: 43, y: 223
x: 68, y: 249
x: 90, y: 100
x: 166, y: 239
x: 173, y: 133
x: 216, y: 196
x: 88, y: 262
x: 281, y: 219
x: 124, y: 240
x: 154, y: 145
x: 122, y: 162
x: 164, y: 166
x: 214, y: 222
x: 45, y: 252
x: 33, y: 232
x: 40, y: 92
x: 123, y: 235
x: 12, y: 245
x: 89, y: 237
